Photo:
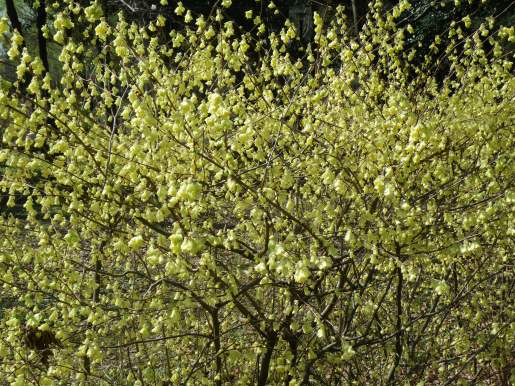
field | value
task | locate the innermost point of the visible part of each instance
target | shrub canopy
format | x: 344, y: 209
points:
x: 195, y: 215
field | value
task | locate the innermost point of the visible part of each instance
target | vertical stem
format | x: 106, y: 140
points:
x: 168, y: 366
x: 265, y: 361
x: 216, y: 340
x: 398, y: 336
x: 293, y: 342
x: 87, y: 366
x: 96, y: 293
x: 94, y: 299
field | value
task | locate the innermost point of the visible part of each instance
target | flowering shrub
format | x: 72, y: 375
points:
x: 197, y: 216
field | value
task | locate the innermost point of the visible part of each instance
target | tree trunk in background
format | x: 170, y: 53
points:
x: 355, y: 16
x: 42, y: 44
x: 13, y: 17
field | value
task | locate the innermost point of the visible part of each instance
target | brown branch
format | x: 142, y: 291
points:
x: 157, y: 339
x: 399, y: 332
x: 264, y: 366
x: 216, y: 341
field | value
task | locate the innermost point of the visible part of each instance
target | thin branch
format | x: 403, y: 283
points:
x: 158, y: 339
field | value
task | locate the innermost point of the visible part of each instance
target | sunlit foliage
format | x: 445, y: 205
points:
x: 208, y: 210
